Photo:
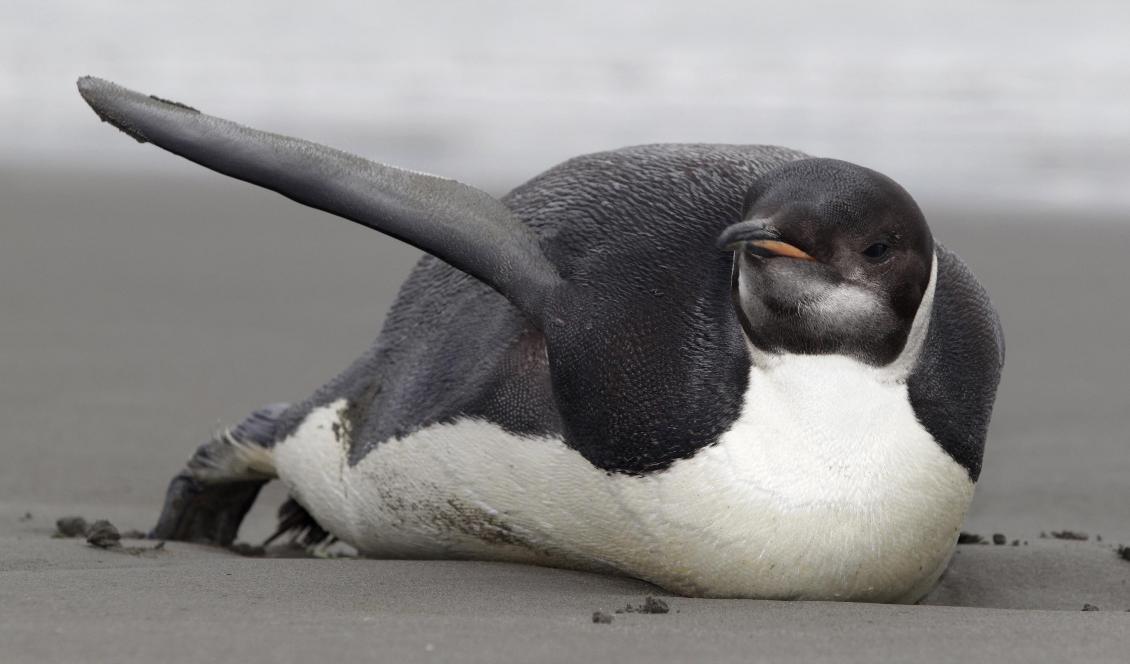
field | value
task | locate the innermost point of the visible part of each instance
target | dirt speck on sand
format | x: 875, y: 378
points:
x: 654, y: 605
x: 999, y: 539
x: 1091, y: 607
x: 1070, y: 535
x: 650, y: 605
x: 26, y: 517
x: 1123, y: 553
x: 969, y: 538
x: 601, y: 618
x: 103, y: 535
x: 71, y: 526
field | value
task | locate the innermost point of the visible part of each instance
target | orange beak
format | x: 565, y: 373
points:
x: 779, y: 248
x: 755, y: 237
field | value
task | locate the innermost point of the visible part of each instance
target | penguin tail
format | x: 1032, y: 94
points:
x: 457, y: 223
x: 208, y: 499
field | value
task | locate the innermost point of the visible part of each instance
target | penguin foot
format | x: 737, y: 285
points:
x: 204, y: 513
x: 207, y: 501
x: 296, y: 524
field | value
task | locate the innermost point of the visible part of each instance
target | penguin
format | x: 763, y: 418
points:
x: 728, y: 370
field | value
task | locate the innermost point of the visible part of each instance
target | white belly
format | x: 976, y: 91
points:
x: 826, y: 487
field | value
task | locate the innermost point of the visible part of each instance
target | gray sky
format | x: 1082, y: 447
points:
x: 960, y: 101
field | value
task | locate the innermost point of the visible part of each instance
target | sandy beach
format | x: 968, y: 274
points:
x: 138, y: 314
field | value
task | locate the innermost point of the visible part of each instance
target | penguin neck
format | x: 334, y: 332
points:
x: 896, y: 371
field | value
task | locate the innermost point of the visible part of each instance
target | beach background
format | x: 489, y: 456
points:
x: 145, y: 302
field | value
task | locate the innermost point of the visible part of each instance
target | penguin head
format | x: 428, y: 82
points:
x: 830, y: 258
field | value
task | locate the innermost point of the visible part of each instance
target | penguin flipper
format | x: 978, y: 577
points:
x: 457, y: 223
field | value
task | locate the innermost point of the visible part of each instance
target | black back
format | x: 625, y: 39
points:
x: 649, y: 362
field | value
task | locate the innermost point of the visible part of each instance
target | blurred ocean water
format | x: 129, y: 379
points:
x: 969, y: 102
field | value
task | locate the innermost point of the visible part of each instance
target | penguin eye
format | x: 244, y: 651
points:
x: 877, y: 250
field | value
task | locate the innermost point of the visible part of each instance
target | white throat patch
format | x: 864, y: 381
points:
x: 861, y: 301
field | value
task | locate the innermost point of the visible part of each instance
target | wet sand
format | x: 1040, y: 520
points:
x: 137, y: 315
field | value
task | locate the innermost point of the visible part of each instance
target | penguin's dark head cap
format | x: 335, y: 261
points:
x: 830, y: 258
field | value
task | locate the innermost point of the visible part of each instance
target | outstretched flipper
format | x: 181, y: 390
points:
x: 457, y: 223
x: 207, y: 500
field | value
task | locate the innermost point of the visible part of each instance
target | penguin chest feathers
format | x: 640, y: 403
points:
x: 830, y: 484
x: 826, y: 429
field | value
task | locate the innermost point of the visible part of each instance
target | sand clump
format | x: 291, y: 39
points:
x: 1067, y: 535
x: 650, y: 605
x: 71, y: 526
x: 998, y: 539
x: 102, y: 534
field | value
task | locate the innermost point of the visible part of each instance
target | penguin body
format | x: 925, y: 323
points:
x: 581, y: 377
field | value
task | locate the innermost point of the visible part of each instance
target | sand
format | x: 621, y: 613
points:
x: 136, y: 315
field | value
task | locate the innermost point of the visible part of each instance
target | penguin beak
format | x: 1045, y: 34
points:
x: 759, y: 240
